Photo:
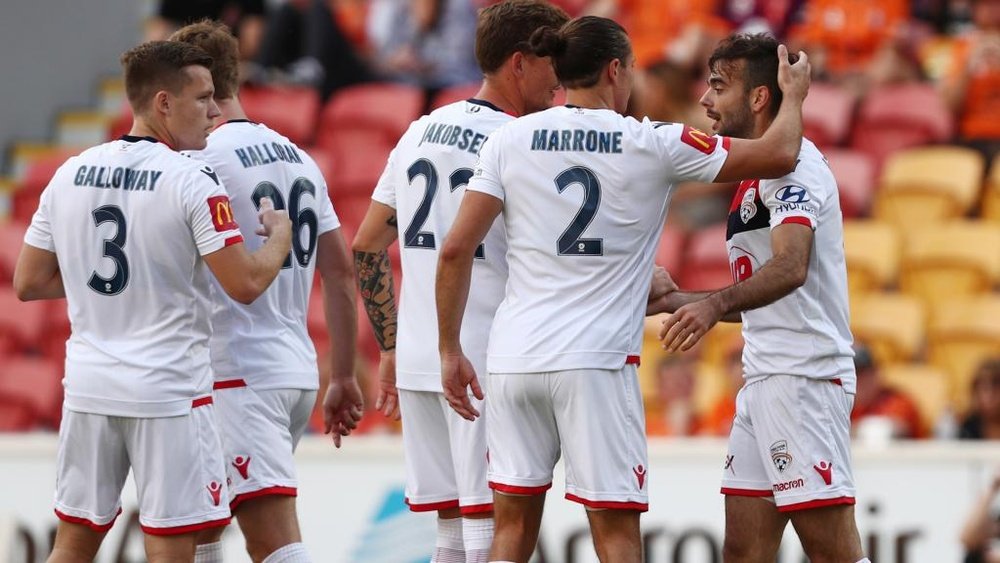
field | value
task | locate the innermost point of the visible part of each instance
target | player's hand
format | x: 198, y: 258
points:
x: 343, y: 407
x: 387, y: 401
x: 457, y: 376
x: 686, y: 327
x: 793, y: 79
x: 661, y: 284
x: 272, y: 220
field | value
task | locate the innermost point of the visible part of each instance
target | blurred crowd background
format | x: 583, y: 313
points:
x: 905, y: 104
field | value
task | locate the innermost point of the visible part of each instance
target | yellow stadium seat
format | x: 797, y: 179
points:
x: 962, y: 333
x: 925, y: 385
x: 892, y: 325
x: 991, y: 195
x: 941, y: 262
x: 872, y: 252
x: 928, y: 184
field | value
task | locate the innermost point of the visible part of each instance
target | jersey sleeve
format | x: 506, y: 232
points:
x: 486, y: 176
x: 385, y: 189
x: 210, y: 215
x: 39, y: 233
x: 328, y: 219
x: 796, y: 197
x: 695, y: 155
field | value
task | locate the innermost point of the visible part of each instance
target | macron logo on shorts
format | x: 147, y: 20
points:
x: 215, y: 489
x: 825, y: 470
x: 640, y: 475
x: 242, y: 464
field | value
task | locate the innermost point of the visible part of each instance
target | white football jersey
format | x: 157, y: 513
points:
x: 129, y: 221
x: 585, y: 193
x: 424, y: 181
x: 807, y: 332
x: 266, y: 343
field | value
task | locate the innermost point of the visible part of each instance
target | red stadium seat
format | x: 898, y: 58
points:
x: 827, y: 114
x: 901, y: 116
x: 669, y: 253
x: 454, y: 94
x: 52, y: 343
x: 11, y: 239
x: 357, y: 169
x: 122, y: 123
x: 33, y: 383
x: 21, y: 323
x: 291, y: 111
x: 383, y: 110
x: 25, y: 199
x: 855, y: 174
x: 706, y: 264
x: 327, y: 166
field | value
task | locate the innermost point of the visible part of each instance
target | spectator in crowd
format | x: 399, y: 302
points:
x: 245, y: 17
x: 983, y: 420
x: 762, y: 16
x: 673, y: 412
x: 972, y: 84
x: 981, y: 533
x: 875, y: 399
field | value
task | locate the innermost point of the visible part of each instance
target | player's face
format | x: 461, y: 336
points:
x: 539, y: 83
x: 193, y: 110
x: 727, y: 103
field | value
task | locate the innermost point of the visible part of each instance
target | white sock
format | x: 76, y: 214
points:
x: 291, y: 553
x: 477, y: 535
x: 449, y: 548
x: 208, y: 553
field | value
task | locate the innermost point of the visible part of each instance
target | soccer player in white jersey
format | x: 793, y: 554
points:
x: 263, y: 360
x: 420, y: 191
x: 789, y: 449
x: 125, y: 231
x: 583, y: 191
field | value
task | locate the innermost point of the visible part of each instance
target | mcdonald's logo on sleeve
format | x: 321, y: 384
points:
x: 222, y: 213
x: 699, y: 140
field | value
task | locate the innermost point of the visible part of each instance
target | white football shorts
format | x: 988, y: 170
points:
x: 791, y: 441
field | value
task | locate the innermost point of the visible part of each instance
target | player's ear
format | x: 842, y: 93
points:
x: 161, y: 102
x: 760, y: 99
x: 517, y: 63
x: 614, y: 70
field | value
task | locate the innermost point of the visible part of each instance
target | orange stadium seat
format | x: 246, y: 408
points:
x: 961, y: 334
x: 11, y: 239
x: 706, y: 263
x: 454, y: 94
x: 943, y: 262
x: 25, y: 199
x: 291, y: 111
x: 855, y: 174
x: 827, y: 114
x: 991, y: 196
x: 34, y: 383
x: 21, y: 323
x: 872, y: 251
x: 925, y: 385
x: 669, y: 251
x: 891, y: 324
x: 928, y: 184
x: 900, y: 116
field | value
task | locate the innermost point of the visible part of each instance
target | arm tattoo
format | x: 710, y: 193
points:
x: 375, y: 283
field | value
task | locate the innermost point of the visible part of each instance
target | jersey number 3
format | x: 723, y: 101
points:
x: 114, y: 248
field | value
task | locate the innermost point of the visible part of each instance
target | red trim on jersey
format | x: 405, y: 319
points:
x: 747, y: 492
x: 632, y: 360
x: 201, y: 401
x: 269, y: 491
x: 233, y: 240
x: 476, y: 508
x: 726, y: 142
x: 431, y: 506
x: 519, y: 490
x: 612, y: 504
x: 798, y: 220
x: 816, y: 504
x: 837, y: 381
x: 177, y: 530
x: 229, y: 384
x: 100, y: 528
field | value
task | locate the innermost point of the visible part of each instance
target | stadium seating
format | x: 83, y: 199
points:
x: 827, y: 114
x: 37, y: 175
x: 454, y: 94
x: 21, y: 323
x: 925, y: 385
x: 899, y: 116
x: 706, y: 264
x: 927, y: 184
x: 891, y: 324
x: 670, y: 251
x: 376, y: 114
x: 327, y: 167
x: 11, y: 239
x: 872, y: 252
x: 961, y: 334
x: 950, y: 260
x: 36, y: 385
x: 291, y: 111
x: 855, y: 174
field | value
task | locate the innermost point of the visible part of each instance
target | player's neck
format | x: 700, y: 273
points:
x: 760, y: 126
x: 503, y: 98
x: 591, y: 98
x: 231, y: 109
x: 144, y: 128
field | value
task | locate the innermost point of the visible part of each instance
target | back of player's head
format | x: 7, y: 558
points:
x: 582, y: 48
x: 504, y: 29
x: 215, y: 39
x: 158, y: 65
x: 759, y: 55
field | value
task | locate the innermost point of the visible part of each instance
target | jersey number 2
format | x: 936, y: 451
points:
x: 570, y: 243
x: 114, y: 248
x: 413, y: 237
x: 300, y: 217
